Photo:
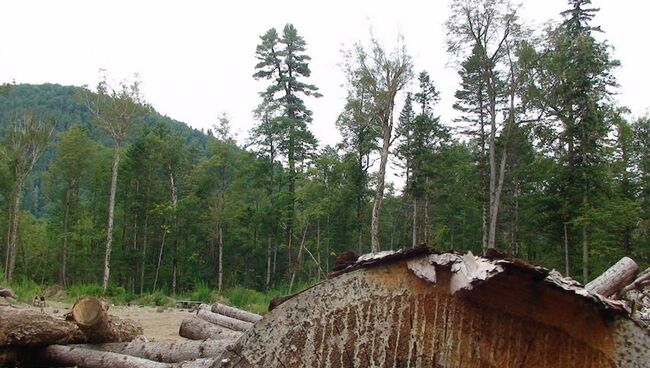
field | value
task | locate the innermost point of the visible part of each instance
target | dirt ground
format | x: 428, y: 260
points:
x: 160, y: 324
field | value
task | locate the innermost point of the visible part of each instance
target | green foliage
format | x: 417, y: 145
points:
x: 188, y: 202
x: 25, y: 289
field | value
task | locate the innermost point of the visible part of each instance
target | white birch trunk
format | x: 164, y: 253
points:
x: 111, y: 214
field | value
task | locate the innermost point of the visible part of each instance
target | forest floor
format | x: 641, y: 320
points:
x: 159, y: 323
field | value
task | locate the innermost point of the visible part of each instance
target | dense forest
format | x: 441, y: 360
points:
x: 97, y: 187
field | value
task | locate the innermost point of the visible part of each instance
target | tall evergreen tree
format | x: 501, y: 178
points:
x: 283, y: 61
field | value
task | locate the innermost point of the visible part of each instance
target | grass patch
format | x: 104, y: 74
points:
x: 25, y: 290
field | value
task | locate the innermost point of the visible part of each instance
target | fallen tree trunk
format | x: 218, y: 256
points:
x: 195, y: 328
x: 25, y: 327
x: 90, y: 314
x: 639, y: 283
x: 166, y: 351
x: 235, y: 313
x: 71, y: 356
x: 224, y: 321
x: 615, y: 278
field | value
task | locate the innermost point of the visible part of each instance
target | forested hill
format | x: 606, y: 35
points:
x: 62, y: 106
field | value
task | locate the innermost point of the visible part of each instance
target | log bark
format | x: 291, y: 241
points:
x: 195, y: 328
x: 639, y: 283
x: 90, y: 314
x: 224, y: 321
x: 166, y: 351
x: 235, y: 313
x: 390, y: 313
x: 71, y: 356
x: 615, y: 278
x: 25, y: 327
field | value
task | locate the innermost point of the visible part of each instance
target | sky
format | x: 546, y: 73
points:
x: 195, y: 59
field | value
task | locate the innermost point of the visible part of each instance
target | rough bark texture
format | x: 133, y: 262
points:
x: 615, y: 278
x: 70, y: 356
x: 25, y: 327
x: 195, y: 328
x: 235, y: 313
x: 166, y: 351
x: 443, y: 311
x: 223, y: 321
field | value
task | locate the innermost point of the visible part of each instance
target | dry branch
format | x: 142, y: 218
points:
x: 235, y: 313
x: 196, y: 328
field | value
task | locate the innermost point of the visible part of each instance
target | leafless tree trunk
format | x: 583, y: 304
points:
x: 162, y: 246
x: 10, y: 261
x: 111, y: 215
x: 414, y: 230
x: 567, y: 270
x: 64, y: 251
x: 268, y: 261
x: 220, y: 257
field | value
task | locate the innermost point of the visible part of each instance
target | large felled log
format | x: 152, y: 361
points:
x: 25, y: 327
x: 196, y: 328
x: 166, y: 351
x: 615, y: 278
x: 90, y: 314
x: 224, y: 321
x: 443, y: 310
x: 71, y: 356
x: 235, y: 313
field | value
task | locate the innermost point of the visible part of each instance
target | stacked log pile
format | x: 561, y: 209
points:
x: 89, y: 337
x: 218, y: 322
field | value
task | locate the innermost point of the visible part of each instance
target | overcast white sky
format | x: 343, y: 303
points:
x: 196, y: 58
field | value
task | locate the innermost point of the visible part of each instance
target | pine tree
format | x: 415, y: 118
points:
x: 283, y: 61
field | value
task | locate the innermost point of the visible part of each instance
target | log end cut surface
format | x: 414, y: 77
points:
x: 88, y: 311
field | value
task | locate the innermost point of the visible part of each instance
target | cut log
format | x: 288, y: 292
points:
x: 615, y: 278
x: 166, y: 351
x: 639, y: 283
x: 474, y: 313
x: 71, y: 356
x: 235, y: 313
x: 89, y: 313
x: 195, y: 328
x: 224, y: 321
x: 26, y: 327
